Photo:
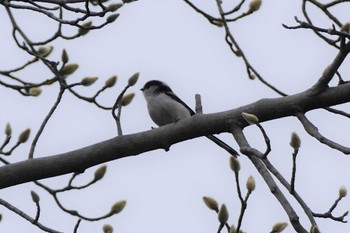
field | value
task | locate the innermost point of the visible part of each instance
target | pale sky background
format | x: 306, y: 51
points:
x: 167, y: 40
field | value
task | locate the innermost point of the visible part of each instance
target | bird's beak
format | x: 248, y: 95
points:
x: 142, y: 89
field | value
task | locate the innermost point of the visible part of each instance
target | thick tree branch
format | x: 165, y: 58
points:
x: 164, y: 137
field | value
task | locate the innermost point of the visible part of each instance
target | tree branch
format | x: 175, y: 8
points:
x: 164, y: 137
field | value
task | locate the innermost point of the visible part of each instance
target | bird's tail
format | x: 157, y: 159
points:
x: 223, y: 145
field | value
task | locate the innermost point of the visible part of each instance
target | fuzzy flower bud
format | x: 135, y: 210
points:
x: 23, y: 137
x: 234, y: 164
x: 254, y: 5
x: 118, y: 207
x: 112, y: 18
x: 223, y: 214
x: 45, y: 51
x: 345, y: 28
x: 211, y: 203
x: 100, y: 172
x: 107, y: 228
x: 133, y: 79
x: 111, y: 81
x: 279, y: 227
x: 314, y: 229
x: 35, y: 197
x: 250, y: 184
x: 83, y: 31
x: 250, y: 118
x: 342, y: 191
x: 35, y: 91
x: 232, y: 229
x: 114, y: 6
x: 64, y: 56
x: 88, y: 81
x: 127, y: 99
x: 69, y: 69
x: 8, y: 130
x: 295, y: 141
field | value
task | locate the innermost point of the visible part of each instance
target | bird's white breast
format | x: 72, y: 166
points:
x: 164, y: 110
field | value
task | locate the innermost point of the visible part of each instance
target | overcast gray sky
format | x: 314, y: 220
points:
x: 167, y: 40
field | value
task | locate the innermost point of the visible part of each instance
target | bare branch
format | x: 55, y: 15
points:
x: 26, y: 217
x: 312, y: 130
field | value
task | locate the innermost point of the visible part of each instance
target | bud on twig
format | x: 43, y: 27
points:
x: 69, y: 69
x: 127, y: 99
x: 118, y: 207
x: 83, y: 31
x: 250, y: 184
x: 100, y: 172
x: 114, y: 6
x: 279, y: 227
x: 314, y: 229
x: 107, y: 228
x: 35, y: 197
x: 295, y: 141
x: 45, y: 51
x: 250, y: 118
x: 223, y: 214
x: 88, y: 81
x: 345, y: 28
x: 8, y: 130
x: 342, y: 191
x: 112, y: 18
x: 254, y: 5
x: 211, y: 203
x: 23, y: 137
x: 64, y: 56
x: 111, y: 81
x: 234, y: 164
x: 35, y: 91
x: 133, y: 79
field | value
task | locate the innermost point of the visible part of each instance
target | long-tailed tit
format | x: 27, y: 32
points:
x: 165, y: 107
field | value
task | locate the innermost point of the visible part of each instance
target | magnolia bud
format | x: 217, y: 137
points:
x: 83, y: 31
x: 45, y: 51
x: 69, y: 69
x: 234, y: 164
x: 233, y: 229
x: 250, y: 118
x: 342, y: 191
x: 35, y: 197
x: 279, y: 227
x: 23, y: 137
x: 114, y: 6
x: 250, y: 184
x: 8, y: 130
x: 118, y: 207
x: 133, y: 79
x: 127, y: 99
x: 345, y: 28
x: 295, y: 141
x: 100, y: 172
x: 223, y: 214
x: 314, y: 229
x: 112, y: 18
x: 254, y: 5
x: 35, y: 91
x: 64, y: 56
x: 111, y: 81
x: 107, y: 228
x: 88, y: 81
x: 211, y: 203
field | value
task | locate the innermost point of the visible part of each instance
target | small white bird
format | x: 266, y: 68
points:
x: 165, y: 107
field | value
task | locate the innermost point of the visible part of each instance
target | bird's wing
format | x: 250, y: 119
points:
x: 173, y: 96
